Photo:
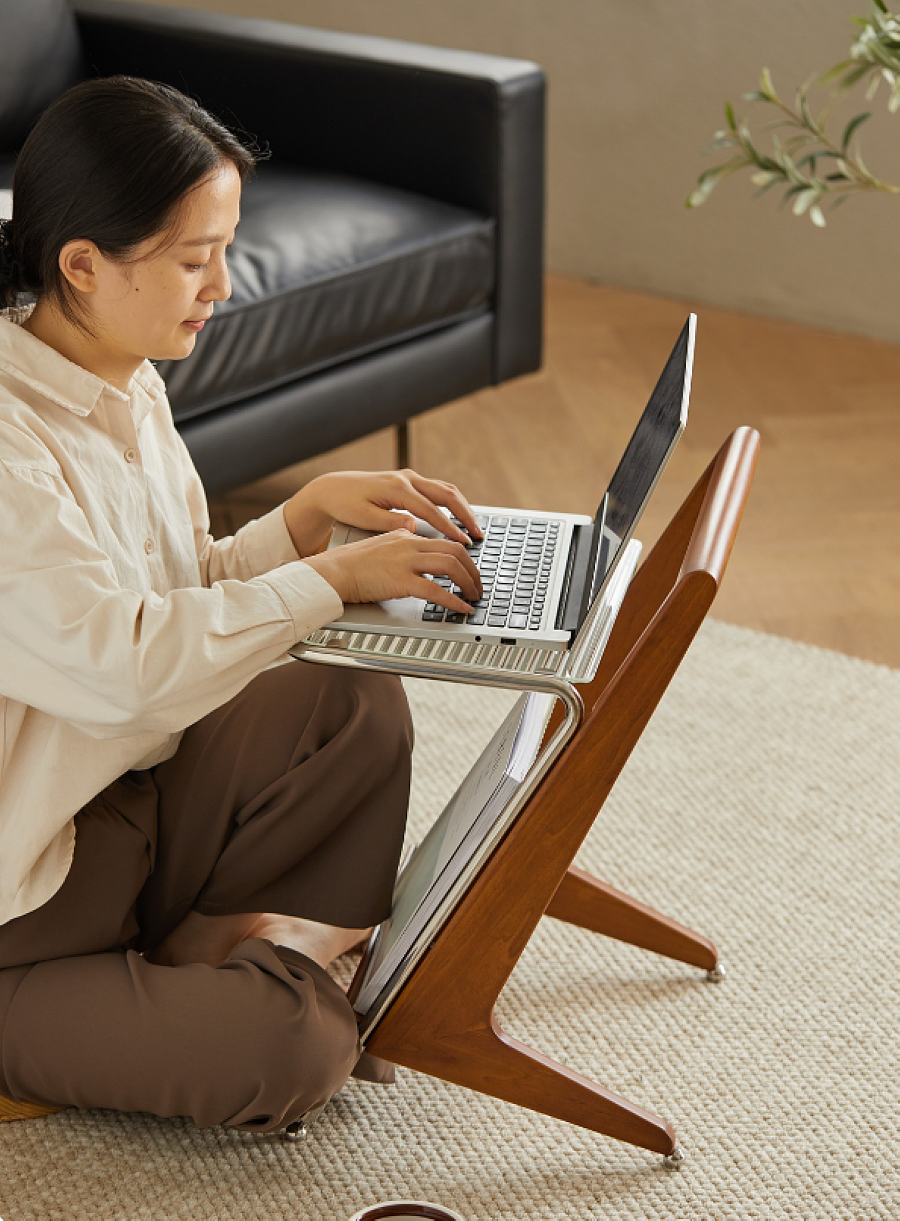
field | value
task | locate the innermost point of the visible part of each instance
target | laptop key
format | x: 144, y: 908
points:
x: 477, y: 619
x: 518, y: 621
x: 496, y: 620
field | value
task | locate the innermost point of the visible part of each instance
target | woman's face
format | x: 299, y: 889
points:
x: 155, y: 306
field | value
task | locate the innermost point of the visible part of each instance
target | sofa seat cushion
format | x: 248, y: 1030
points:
x: 325, y: 268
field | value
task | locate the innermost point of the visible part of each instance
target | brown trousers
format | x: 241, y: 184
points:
x: 290, y: 798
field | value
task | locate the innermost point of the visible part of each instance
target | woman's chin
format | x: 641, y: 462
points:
x: 181, y: 346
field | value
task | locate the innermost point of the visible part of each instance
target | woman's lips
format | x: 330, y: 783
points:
x: 195, y: 326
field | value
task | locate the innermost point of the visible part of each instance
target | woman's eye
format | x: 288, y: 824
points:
x: 195, y: 266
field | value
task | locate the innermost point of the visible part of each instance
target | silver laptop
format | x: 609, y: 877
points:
x: 543, y: 572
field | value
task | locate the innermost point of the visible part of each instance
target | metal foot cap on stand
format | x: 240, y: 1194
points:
x: 716, y: 974
x: 675, y: 1159
x: 295, y: 1131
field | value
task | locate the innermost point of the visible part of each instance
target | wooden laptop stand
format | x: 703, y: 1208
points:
x: 442, y: 1020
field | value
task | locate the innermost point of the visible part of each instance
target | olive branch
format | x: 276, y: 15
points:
x: 803, y: 158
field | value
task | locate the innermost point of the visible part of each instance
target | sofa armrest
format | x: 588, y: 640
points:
x: 462, y: 127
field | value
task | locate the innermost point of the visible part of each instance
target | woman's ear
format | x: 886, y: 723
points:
x: 79, y: 262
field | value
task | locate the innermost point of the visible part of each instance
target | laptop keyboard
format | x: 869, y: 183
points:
x: 515, y: 559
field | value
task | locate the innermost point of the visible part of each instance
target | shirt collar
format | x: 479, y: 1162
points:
x: 62, y: 381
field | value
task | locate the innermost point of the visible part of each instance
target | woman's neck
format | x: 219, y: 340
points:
x: 52, y: 328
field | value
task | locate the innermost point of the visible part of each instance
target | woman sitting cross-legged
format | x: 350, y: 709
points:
x: 193, y: 825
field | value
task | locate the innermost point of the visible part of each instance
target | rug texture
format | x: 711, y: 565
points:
x: 760, y: 807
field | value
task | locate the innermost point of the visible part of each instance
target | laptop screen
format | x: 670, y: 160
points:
x: 642, y: 463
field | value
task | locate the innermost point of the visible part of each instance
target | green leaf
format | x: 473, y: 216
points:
x: 729, y: 116
x: 852, y: 77
x: 833, y: 73
x: 708, y: 179
x: 804, y: 200
x: 816, y: 216
x: 700, y: 193
x: 762, y: 190
x: 853, y: 126
x: 805, y: 112
x: 698, y: 196
x: 766, y: 86
x: 793, y: 173
x: 790, y: 194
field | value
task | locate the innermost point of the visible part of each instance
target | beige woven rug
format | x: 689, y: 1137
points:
x: 760, y: 807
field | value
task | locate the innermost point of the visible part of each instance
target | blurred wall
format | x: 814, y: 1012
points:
x: 636, y: 89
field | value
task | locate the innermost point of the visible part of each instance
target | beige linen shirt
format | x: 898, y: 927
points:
x: 122, y: 621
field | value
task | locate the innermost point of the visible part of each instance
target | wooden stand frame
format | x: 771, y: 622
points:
x: 442, y: 1021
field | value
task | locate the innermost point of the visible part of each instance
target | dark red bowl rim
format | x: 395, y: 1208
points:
x: 411, y: 1208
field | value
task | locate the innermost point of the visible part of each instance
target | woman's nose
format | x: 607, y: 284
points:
x: 218, y: 287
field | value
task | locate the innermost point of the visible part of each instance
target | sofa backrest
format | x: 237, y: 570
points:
x: 40, y: 57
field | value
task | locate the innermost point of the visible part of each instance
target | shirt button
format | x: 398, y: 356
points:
x: 130, y: 455
x: 148, y: 545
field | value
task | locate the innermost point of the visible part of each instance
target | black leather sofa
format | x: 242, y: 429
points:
x: 389, y: 256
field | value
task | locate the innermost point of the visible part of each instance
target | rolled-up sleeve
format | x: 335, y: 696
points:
x: 115, y: 661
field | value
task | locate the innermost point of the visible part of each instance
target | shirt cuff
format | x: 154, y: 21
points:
x: 310, y: 601
x: 266, y: 541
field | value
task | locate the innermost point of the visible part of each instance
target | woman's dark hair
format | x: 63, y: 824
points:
x: 110, y: 161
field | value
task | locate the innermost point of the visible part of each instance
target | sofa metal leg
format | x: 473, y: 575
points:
x: 402, y: 437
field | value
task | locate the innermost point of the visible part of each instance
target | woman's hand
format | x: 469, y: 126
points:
x: 394, y: 565
x: 366, y: 499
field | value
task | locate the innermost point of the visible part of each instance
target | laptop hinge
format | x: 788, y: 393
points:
x: 569, y: 615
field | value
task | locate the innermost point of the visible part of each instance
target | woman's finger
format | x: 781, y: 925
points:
x: 430, y: 591
x: 460, y: 576
x: 436, y: 556
x: 425, y: 508
x: 448, y: 495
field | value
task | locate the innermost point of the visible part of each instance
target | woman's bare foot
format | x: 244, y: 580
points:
x: 199, y: 938
x: 212, y: 939
x: 323, y: 943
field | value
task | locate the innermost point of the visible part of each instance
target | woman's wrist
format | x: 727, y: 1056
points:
x: 330, y: 570
x: 307, y: 522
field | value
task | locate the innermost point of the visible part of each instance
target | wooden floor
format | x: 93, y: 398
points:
x: 818, y: 558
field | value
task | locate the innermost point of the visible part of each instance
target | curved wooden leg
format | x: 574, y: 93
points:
x: 489, y: 1061
x: 10, y: 1110
x: 586, y: 901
